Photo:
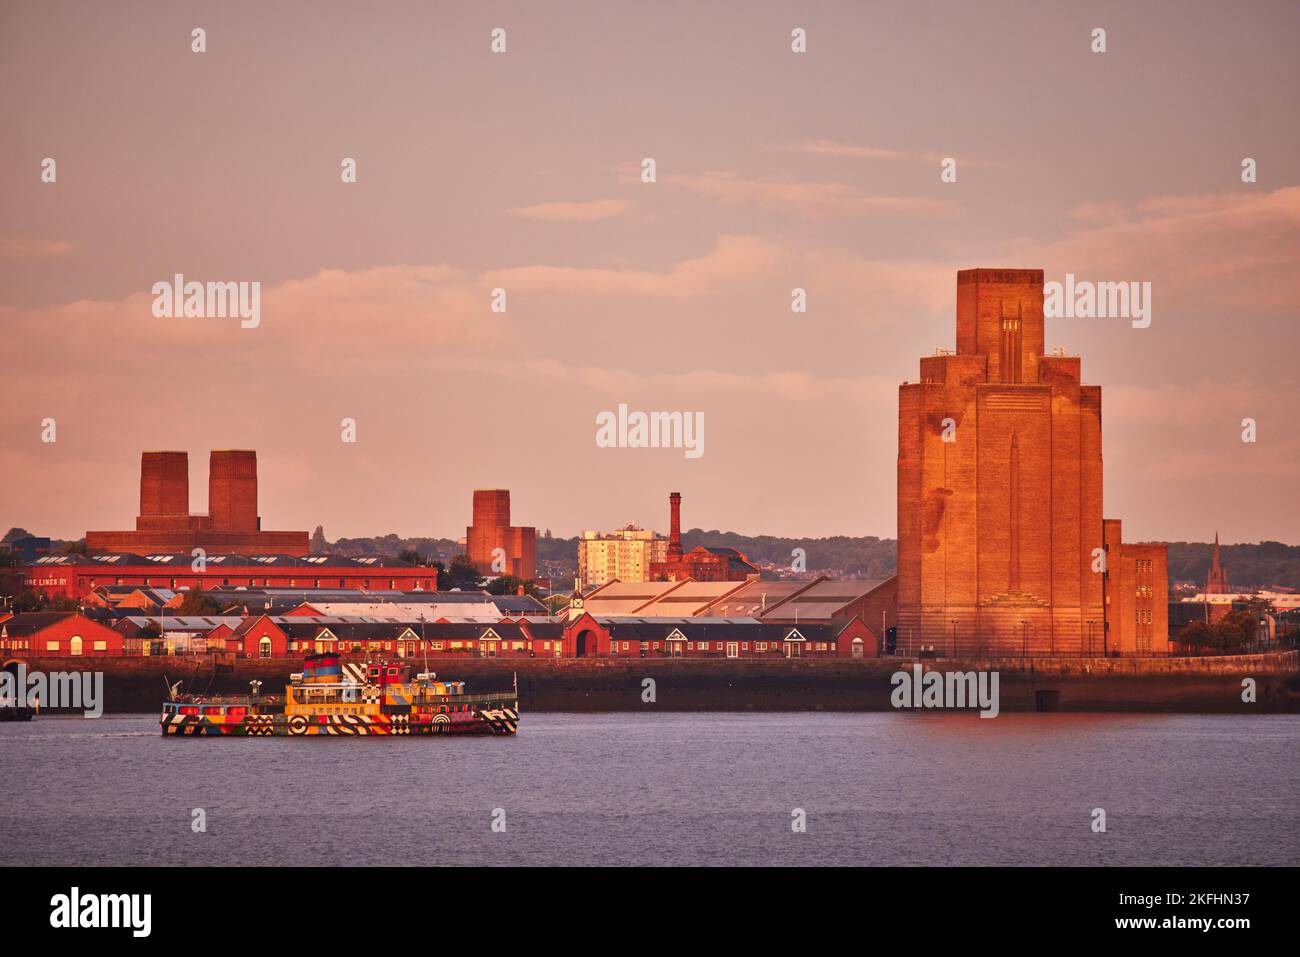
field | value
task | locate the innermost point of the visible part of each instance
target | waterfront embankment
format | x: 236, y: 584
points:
x: 1209, y: 685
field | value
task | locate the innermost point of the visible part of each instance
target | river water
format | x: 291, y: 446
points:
x: 666, y: 788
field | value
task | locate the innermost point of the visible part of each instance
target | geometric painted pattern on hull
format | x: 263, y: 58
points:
x: 492, y: 720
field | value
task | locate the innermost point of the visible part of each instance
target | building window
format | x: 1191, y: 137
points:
x: 51, y: 646
x: 74, y: 646
x: 264, y: 647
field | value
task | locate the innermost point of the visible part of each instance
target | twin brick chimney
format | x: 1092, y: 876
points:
x: 232, y: 524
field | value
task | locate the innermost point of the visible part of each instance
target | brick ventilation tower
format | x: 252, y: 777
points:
x: 1000, y: 492
x: 232, y: 490
x: 164, y: 491
x: 491, y: 530
x: 231, y: 526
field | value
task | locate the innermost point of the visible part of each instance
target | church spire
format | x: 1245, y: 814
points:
x: 1218, y: 580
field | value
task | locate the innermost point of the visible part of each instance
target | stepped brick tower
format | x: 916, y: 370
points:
x: 1001, y: 546
x: 491, y: 530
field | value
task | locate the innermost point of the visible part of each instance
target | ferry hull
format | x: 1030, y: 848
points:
x: 497, y: 720
x: 344, y: 699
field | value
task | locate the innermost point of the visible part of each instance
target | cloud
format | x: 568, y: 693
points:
x: 733, y: 261
x: 585, y: 211
x: 327, y: 322
x: 807, y: 200
x: 22, y: 247
x: 833, y: 148
x: 1229, y: 251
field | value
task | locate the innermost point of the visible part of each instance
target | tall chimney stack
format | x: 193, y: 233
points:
x: 675, y: 525
x: 164, y: 489
x: 232, y: 490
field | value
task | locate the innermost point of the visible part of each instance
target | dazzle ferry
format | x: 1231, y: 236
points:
x: 352, y: 698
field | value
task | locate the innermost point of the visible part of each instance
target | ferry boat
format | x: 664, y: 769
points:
x: 351, y: 698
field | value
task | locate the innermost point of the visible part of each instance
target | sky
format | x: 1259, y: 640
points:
x: 522, y: 170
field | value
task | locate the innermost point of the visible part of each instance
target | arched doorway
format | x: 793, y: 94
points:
x: 75, y: 646
x: 585, y: 644
x: 264, y: 647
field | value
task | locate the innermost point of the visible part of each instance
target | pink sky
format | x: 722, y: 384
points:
x: 520, y: 170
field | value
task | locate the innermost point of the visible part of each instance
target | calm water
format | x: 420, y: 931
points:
x: 666, y: 789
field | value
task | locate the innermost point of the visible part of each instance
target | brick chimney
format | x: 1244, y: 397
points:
x: 675, y: 525
x: 232, y: 490
x: 164, y: 490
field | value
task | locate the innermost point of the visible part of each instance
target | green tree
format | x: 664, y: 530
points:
x: 32, y: 600
x: 196, y: 602
x: 509, y: 585
x: 1235, y: 629
x: 462, y: 574
x: 1197, y: 634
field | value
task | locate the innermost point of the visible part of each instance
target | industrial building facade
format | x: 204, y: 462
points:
x: 77, y: 576
x: 702, y: 563
x: 1001, y: 543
